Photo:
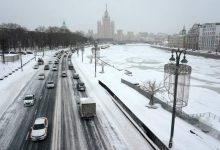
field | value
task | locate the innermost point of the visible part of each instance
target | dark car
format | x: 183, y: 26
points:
x: 46, y: 67
x: 70, y: 67
x: 75, y: 76
x: 40, y: 61
x: 81, y: 86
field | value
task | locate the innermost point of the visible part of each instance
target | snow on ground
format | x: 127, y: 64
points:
x: 147, y: 63
x: 11, y: 86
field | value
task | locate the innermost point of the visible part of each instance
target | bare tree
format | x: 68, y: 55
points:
x: 152, y: 88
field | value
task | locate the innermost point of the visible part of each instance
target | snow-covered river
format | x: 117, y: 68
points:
x: 147, y: 63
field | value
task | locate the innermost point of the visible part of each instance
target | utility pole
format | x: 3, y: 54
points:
x: 96, y: 45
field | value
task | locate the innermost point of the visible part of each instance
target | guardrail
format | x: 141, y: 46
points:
x: 207, y: 114
x: 146, y: 130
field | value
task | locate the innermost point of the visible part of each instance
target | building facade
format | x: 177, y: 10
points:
x: 105, y: 29
x: 192, y: 40
x: 209, y: 37
x: 178, y: 40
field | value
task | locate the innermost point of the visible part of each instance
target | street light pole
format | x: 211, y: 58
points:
x: 178, y: 54
x: 82, y: 51
x: 96, y: 45
x: 20, y: 56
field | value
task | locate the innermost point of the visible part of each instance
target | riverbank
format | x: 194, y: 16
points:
x: 201, y: 53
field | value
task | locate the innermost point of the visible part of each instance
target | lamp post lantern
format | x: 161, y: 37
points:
x: 175, y: 70
x: 96, y: 45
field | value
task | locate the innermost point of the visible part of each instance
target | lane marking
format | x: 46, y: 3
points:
x: 27, y: 136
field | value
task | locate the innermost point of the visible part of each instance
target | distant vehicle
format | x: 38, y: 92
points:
x: 70, y: 67
x: 29, y: 52
x: 64, y: 74
x: 54, y: 68
x: 13, y: 52
x: 41, y: 76
x: 46, y: 67
x: 29, y: 100
x: 50, y: 84
x: 81, y: 86
x: 22, y: 52
x: 36, y: 66
x: 87, y: 107
x: 39, y: 129
x: 56, y: 62
x: 50, y: 62
x: 75, y: 76
x: 1, y: 77
x: 40, y: 61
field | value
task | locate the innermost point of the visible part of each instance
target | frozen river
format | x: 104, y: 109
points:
x: 147, y: 63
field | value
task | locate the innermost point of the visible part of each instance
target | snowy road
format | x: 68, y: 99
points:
x: 66, y: 129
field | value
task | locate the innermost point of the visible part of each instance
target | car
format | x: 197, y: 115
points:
x: 64, y: 74
x: 50, y: 62
x: 46, y: 67
x: 54, y: 68
x: 56, y: 62
x: 39, y: 129
x: 50, y: 84
x: 71, y: 67
x: 36, y: 66
x: 29, y: 52
x: 1, y: 77
x: 29, y: 100
x: 40, y: 61
x: 41, y: 76
x: 75, y: 76
x: 81, y: 86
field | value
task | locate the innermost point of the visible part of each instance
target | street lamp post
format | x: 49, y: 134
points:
x: 20, y: 56
x: 178, y: 54
x: 96, y: 45
x: 82, y: 48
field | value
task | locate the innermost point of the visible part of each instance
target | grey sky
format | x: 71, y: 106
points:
x: 168, y: 16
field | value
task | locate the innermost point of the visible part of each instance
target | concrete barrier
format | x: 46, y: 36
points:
x: 146, y: 130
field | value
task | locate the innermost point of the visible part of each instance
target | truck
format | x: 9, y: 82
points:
x: 87, y: 108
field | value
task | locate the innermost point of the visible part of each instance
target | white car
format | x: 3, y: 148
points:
x: 54, y: 68
x: 64, y: 74
x: 41, y: 76
x: 39, y: 129
x: 36, y: 66
x: 29, y: 100
x: 50, y: 84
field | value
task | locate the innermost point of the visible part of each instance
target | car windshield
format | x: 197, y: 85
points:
x: 50, y: 82
x: 81, y: 84
x: 41, y: 74
x: 28, y: 97
x: 38, y: 126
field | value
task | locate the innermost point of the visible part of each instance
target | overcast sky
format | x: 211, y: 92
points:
x: 167, y: 16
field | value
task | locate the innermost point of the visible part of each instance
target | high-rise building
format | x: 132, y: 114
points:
x: 106, y: 28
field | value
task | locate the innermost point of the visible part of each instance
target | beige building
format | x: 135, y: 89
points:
x: 192, y: 41
x: 178, y: 40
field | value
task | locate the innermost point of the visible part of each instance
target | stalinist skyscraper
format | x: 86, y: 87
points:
x: 106, y: 28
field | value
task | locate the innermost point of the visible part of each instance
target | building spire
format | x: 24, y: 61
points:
x: 106, y: 11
